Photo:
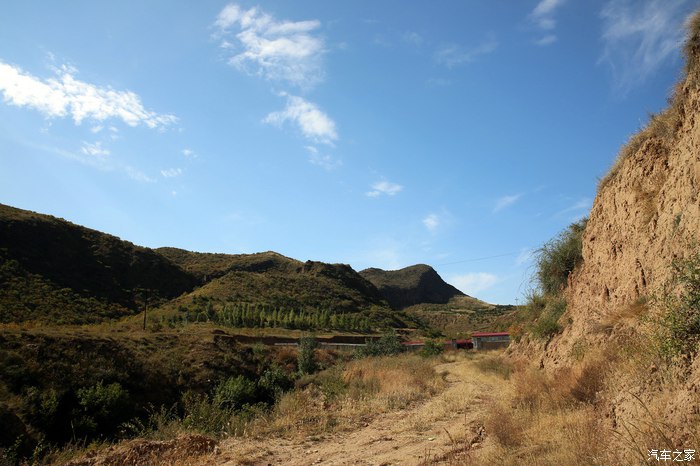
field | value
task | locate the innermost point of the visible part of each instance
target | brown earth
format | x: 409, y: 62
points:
x: 646, y: 214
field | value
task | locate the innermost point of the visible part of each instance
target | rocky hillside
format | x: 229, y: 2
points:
x: 417, y: 284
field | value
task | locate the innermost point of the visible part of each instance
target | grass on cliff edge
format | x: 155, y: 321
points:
x: 661, y: 129
x: 545, y: 305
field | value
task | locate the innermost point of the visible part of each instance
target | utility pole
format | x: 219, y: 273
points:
x: 145, y: 308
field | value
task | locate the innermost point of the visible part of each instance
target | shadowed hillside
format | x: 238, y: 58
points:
x: 417, y: 284
x: 51, y: 269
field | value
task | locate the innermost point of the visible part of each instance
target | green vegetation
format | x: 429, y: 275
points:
x: 388, y: 344
x: 558, y: 258
x: 307, y: 360
x: 678, y: 334
x: 239, y: 315
x: 545, y: 305
x: 431, y: 348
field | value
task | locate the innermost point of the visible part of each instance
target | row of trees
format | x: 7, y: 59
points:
x: 261, y: 315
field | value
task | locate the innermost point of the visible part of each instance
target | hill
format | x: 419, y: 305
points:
x: 53, y: 270
x: 272, y: 279
x: 417, y: 284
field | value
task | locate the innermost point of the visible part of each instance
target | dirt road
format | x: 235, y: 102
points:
x: 431, y: 432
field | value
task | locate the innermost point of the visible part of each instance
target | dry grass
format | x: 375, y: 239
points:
x: 342, y: 399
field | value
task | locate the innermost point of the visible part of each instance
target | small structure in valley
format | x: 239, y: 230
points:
x: 490, y: 340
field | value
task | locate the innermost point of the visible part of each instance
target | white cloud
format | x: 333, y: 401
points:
x: 451, y: 55
x: 506, y: 201
x: 432, y: 222
x: 96, y: 129
x: 171, y: 172
x: 472, y: 283
x: 138, y: 175
x: 326, y: 162
x: 189, y: 153
x: 65, y: 96
x: 543, y: 18
x: 546, y: 40
x: 94, y: 149
x: 313, y: 123
x: 639, y: 36
x: 413, y: 38
x: 384, y: 187
x: 543, y: 14
x: 277, y: 50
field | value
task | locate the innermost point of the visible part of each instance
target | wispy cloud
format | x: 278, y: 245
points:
x: 640, y: 35
x: 171, y: 172
x: 473, y: 283
x: 546, y: 40
x: 138, y: 175
x: 384, y: 187
x: 506, y: 201
x: 578, y: 207
x: 276, y: 50
x: 65, y: 96
x: 432, y: 222
x: 413, y: 38
x: 189, y: 153
x: 542, y: 16
x: 313, y: 123
x: 451, y: 55
x: 94, y: 149
x: 326, y: 161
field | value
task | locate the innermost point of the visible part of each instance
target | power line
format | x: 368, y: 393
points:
x: 480, y: 259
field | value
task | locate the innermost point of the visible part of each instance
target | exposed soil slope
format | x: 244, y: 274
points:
x: 645, y: 215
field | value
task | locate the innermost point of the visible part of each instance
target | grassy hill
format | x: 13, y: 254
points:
x: 272, y: 279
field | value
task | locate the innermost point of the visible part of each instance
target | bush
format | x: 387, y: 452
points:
x: 559, y: 257
x: 101, y: 409
x: 273, y: 382
x: 679, y: 324
x: 431, y: 348
x: 548, y: 322
x: 387, y: 345
x: 234, y: 393
x: 307, y: 362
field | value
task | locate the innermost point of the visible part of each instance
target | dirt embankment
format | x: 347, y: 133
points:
x: 646, y: 214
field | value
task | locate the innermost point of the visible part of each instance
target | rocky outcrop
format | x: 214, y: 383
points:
x: 417, y: 284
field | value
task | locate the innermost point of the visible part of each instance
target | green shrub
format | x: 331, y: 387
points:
x: 548, y: 322
x: 387, y: 345
x: 273, y: 382
x: 234, y: 393
x: 558, y: 258
x: 431, y: 348
x: 101, y: 409
x: 306, y: 362
x: 678, y: 331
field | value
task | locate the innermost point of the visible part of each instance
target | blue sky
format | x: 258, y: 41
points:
x: 461, y: 134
